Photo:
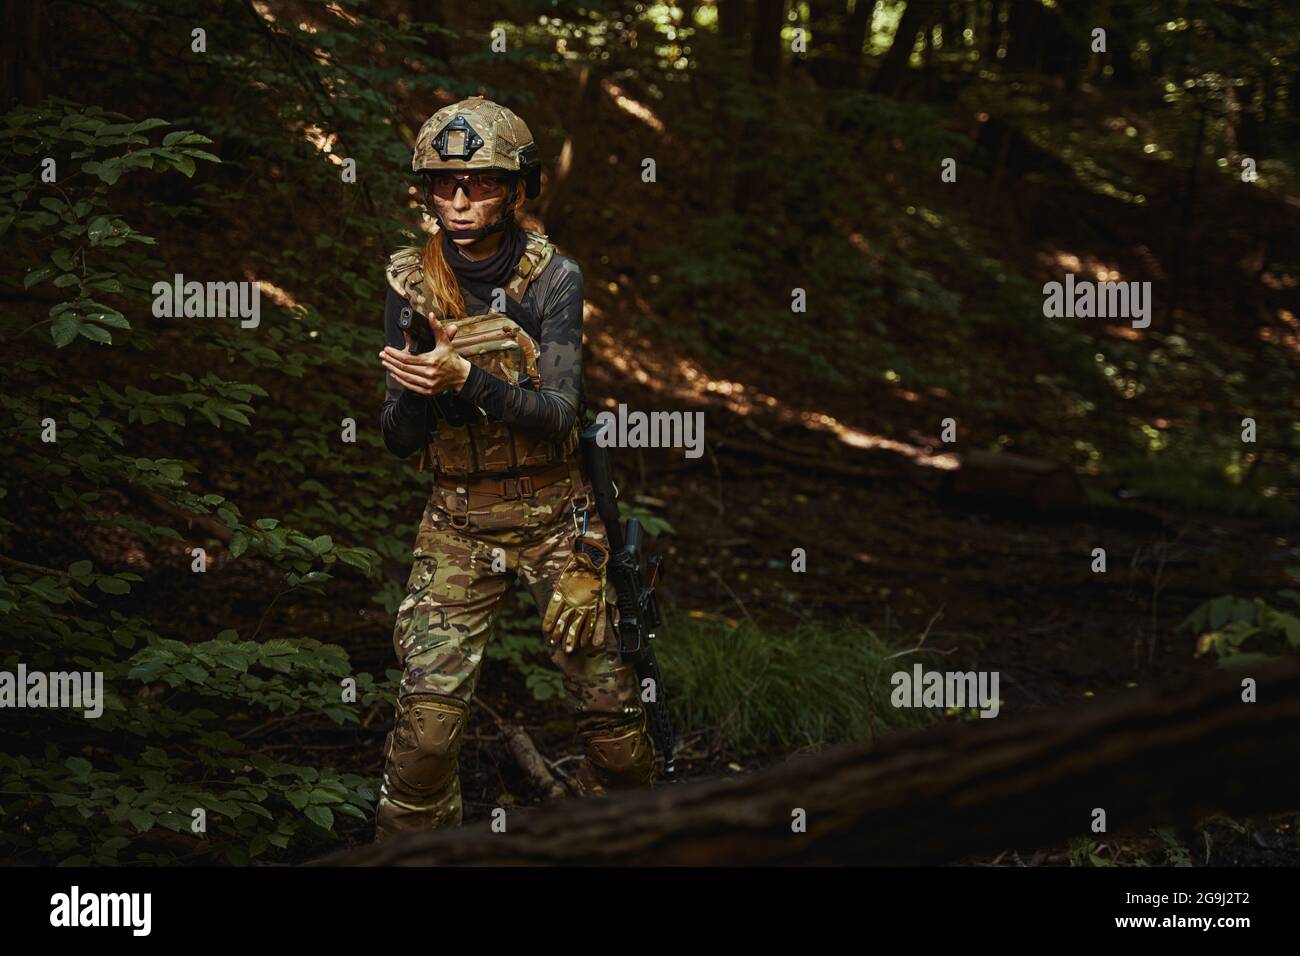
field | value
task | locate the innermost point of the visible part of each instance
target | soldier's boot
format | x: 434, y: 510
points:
x: 421, y: 789
x: 619, y: 755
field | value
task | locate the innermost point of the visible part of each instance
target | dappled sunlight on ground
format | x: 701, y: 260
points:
x: 634, y: 356
x: 1288, y: 340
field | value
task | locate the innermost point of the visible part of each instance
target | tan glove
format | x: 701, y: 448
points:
x: 578, y: 601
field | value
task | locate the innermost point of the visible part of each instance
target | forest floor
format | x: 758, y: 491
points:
x: 988, y: 590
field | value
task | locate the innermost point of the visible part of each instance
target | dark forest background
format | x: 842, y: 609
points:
x: 796, y: 146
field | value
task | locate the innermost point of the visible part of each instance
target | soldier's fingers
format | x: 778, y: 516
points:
x: 582, y: 627
x: 409, y: 381
x: 415, y: 364
x: 452, y: 329
x: 422, y: 373
x: 407, y: 335
x: 403, y: 368
x: 439, y: 333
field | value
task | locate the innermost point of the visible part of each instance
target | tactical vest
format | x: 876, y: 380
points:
x: 499, y: 346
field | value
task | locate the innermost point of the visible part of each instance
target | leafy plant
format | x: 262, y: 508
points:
x: 1241, y: 632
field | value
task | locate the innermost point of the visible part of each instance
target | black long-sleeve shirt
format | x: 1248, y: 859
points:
x: 552, y: 307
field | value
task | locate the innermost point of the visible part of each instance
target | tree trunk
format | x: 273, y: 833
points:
x: 431, y: 11
x: 917, y: 16
x: 1119, y: 41
x: 1150, y: 757
x: 765, y: 54
x: 1024, y: 35
x: 576, y: 151
x: 954, y: 22
x: 1231, y: 121
x: 1266, y: 107
x: 993, y: 36
x: 839, y: 41
x: 23, y: 52
x: 1247, y: 120
x: 732, y: 17
x: 826, y: 21
x: 852, y: 40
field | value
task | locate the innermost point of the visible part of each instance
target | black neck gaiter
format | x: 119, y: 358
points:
x: 496, y: 269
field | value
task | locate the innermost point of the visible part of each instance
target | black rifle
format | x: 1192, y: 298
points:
x: 638, y: 610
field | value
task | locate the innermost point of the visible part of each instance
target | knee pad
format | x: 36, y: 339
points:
x: 622, y: 755
x: 425, y: 742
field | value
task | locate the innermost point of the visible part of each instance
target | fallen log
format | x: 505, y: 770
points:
x: 1015, y: 481
x: 1148, y: 757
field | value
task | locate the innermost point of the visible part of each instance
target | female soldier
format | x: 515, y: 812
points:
x: 492, y: 397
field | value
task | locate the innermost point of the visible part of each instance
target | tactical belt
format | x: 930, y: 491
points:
x: 515, y: 486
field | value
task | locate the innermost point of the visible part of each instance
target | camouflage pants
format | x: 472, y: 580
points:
x: 458, y: 580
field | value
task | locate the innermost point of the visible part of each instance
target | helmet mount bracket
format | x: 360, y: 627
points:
x: 457, y: 140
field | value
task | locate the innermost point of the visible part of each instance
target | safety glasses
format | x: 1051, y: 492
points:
x: 476, y: 185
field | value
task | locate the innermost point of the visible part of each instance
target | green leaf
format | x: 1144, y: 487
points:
x: 35, y: 276
x: 95, y: 333
x: 238, y: 544
x: 64, y: 329
x: 192, y: 671
x: 183, y: 137
x: 1290, y: 626
x: 321, y: 816
x: 110, y: 318
x: 112, y: 585
x: 100, y: 227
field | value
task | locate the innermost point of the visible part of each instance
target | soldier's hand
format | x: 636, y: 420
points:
x: 578, y: 601
x: 430, y: 372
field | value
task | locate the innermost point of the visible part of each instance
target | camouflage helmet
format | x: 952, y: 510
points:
x: 477, y: 133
